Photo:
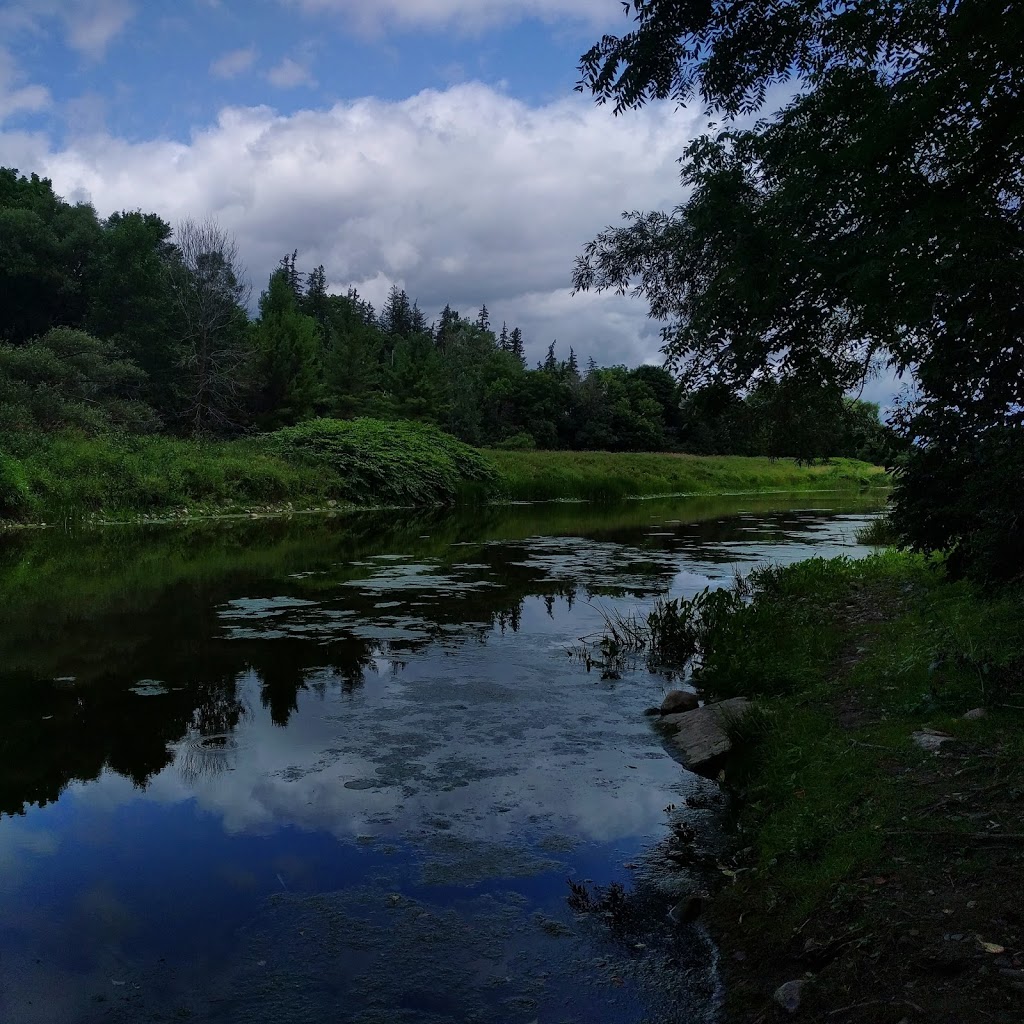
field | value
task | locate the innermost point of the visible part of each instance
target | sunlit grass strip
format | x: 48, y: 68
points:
x: 603, y: 476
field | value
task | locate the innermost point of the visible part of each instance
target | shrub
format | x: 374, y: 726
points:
x: 966, y: 499
x: 398, y: 462
x: 14, y: 494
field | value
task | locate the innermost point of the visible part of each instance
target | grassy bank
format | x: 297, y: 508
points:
x: 887, y: 875
x: 362, y: 462
x: 600, y: 476
x: 325, y: 462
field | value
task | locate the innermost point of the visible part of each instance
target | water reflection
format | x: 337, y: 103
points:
x: 346, y: 711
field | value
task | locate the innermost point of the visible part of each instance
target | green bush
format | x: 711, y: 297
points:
x: 966, y: 499
x: 14, y: 492
x: 399, y: 462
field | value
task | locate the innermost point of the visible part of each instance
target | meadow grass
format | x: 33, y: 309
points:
x: 603, y: 476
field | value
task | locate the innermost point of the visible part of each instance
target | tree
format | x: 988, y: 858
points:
x: 515, y: 345
x: 503, y: 342
x: 208, y: 293
x: 550, y: 364
x: 446, y: 326
x: 129, y: 302
x: 316, y: 301
x: 45, y: 247
x: 69, y: 379
x: 876, y: 216
x: 396, y: 316
x: 483, y: 320
x: 288, y: 346
x: 288, y: 268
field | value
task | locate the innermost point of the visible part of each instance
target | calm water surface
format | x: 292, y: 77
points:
x: 341, y: 769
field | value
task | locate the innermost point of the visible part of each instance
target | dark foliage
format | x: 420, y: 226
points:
x: 875, y: 218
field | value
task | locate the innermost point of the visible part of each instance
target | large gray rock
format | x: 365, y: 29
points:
x: 678, y: 701
x: 698, y: 738
x: 790, y: 995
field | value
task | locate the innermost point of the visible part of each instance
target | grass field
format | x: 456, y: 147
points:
x: 601, y: 476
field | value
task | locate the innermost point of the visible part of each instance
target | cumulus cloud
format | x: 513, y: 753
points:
x: 291, y: 73
x: 234, y: 63
x: 464, y: 195
x: 469, y: 15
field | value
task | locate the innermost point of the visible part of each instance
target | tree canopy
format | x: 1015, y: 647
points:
x: 874, y: 219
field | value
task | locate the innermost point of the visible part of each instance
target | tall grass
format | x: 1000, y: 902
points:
x: 601, y: 476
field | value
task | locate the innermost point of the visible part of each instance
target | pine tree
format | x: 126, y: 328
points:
x: 315, y: 302
x: 419, y: 320
x: 483, y: 320
x: 550, y: 364
x: 288, y: 268
x: 503, y: 337
x: 573, y: 366
x: 288, y: 344
x: 515, y: 345
x: 396, y: 317
x: 449, y: 321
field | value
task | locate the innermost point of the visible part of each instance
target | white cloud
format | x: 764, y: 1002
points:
x: 467, y: 15
x: 17, y: 98
x: 464, y: 195
x: 291, y: 73
x: 89, y: 25
x: 234, y: 63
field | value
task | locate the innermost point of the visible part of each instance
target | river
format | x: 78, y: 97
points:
x: 343, y: 769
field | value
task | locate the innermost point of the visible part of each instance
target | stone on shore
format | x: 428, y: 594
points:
x: 699, y: 738
x: 789, y: 996
x: 679, y: 701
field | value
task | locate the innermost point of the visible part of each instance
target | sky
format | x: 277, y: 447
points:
x: 434, y: 144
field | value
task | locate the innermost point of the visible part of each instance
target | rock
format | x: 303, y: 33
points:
x: 651, y: 712
x: 976, y: 714
x: 929, y: 739
x: 678, y: 701
x: 698, y: 738
x: 788, y: 996
x: 687, y: 910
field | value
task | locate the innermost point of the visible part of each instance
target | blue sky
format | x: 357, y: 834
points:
x: 159, y: 69
x: 433, y: 144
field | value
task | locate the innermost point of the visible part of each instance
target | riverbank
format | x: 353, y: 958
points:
x: 879, y: 825
x: 362, y: 463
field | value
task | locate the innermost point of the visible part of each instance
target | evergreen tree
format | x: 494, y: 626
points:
x: 572, y: 365
x: 396, y: 316
x: 515, y: 345
x: 288, y: 344
x: 419, y: 321
x: 315, y: 302
x: 449, y: 320
x: 483, y: 320
x: 288, y: 267
x: 550, y: 364
x: 503, y: 342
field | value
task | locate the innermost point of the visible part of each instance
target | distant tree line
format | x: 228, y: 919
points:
x: 122, y: 323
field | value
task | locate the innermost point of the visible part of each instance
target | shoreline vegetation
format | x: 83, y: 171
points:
x: 875, y: 787
x: 330, y: 464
